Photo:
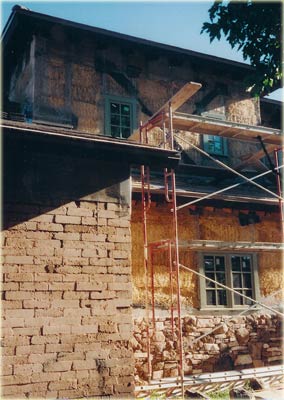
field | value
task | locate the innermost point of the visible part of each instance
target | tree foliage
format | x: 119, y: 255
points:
x: 254, y: 27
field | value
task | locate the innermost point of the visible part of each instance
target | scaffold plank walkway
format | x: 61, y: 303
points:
x: 208, y: 382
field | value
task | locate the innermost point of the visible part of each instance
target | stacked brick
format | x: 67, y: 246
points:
x: 66, y: 302
x: 243, y: 342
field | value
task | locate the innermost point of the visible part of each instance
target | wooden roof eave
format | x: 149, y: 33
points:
x: 135, y: 153
x: 184, y: 193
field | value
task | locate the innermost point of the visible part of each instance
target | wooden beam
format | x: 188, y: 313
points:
x: 187, y: 122
x: 252, y: 158
x: 176, y: 101
x: 221, y: 245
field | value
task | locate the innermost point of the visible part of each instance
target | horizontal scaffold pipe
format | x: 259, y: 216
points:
x: 229, y: 168
x: 227, y: 188
x: 232, y: 290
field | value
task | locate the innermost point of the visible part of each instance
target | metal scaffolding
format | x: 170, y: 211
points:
x: 169, y: 121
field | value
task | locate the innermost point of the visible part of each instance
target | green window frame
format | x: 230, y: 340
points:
x: 215, y: 145
x: 235, y: 270
x: 120, y: 116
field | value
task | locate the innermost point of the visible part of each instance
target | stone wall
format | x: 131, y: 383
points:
x: 241, y: 342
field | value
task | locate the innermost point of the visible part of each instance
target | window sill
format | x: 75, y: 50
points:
x: 228, y: 309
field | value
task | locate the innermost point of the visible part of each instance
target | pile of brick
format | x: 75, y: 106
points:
x: 242, y: 342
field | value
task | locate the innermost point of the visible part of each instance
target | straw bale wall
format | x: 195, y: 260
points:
x: 211, y: 224
x: 73, y: 78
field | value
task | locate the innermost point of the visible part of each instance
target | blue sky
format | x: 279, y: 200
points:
x: 176, y: 23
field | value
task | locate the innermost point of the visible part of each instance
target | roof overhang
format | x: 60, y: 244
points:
x: 21, y: 14
x: 99, y: 146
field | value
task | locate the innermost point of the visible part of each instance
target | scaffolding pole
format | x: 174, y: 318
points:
x: 146, y: 203
x: 279, y: 186
x: 172, y: 246
x: 252, y: 307
x: 232, y: 290
x: 229, y: 168
x: 172, y: 199
x: 208, y: 196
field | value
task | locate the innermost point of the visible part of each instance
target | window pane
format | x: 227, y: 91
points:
x: 209, y: 263
x: 115, y: 119
x: 115, y: 131
x: 125, y: 121
x: 238, y: 300
x: 222, y: 297
x: 125, y: 109
x: 211, y: 146
x: 246, y: 263
x: 119, y: 121
x: 220, y: 263
x: 125, y: 132
x: 115, y: 108
x: 236, y: 266
x: 217, y: 142
x: 247, y: 280
x: 249, y: 294
x: 237, y: 280
x: 208, y: 283
x: 220, y: 277
x: 211, y: 297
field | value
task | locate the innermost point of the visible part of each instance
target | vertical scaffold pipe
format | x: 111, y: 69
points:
x: 176, y: 261
x: 170, y: 260
x: 146, y: 274
x: 279, y: 187
x: 171, y: 126
x: 141, y: 132
x: 151, y: 258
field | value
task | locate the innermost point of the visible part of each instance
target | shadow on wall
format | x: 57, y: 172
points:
x: 39, y: 176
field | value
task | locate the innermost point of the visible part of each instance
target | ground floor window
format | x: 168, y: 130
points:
x: 237, y: 271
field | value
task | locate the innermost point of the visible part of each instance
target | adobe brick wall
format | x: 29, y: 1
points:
x: 66, y: 301
x: 242, y: 342
x: 66, y: 291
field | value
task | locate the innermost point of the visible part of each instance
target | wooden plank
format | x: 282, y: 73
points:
x: 214, y: 377
x: 216, y: 244
x: 251, y: 158
x: 228, y: 129
x: 177, y: 100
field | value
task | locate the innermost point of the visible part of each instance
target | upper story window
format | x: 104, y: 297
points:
x: 237, y: 271
x: 215, y: 145
x: 120, y: 116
